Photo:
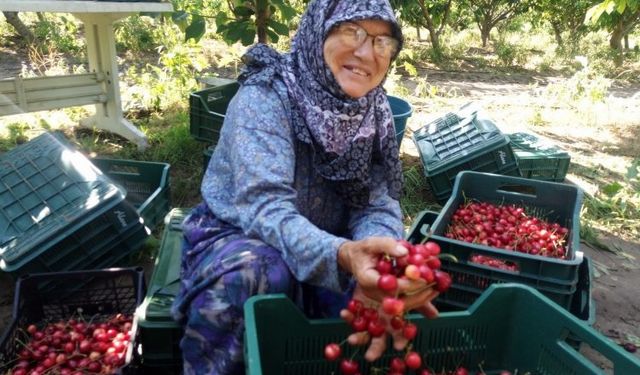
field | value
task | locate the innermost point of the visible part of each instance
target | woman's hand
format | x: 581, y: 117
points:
x: 360, y: 258
x: 379, y: 344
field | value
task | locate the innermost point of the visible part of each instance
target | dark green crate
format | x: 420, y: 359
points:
x: 538, y: 159
x: 111, y: 291
x: 207, y: 109
x: 159, y: 335
x: 146, y: 184
x: 470, y: 279
x: 58, y: 212
x: 464, y: 140
x: 510, y: 327
x: 552, y: 201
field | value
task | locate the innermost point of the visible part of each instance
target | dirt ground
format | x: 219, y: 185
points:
x: 601, y: 136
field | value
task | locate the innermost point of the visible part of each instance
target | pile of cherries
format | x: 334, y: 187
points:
x: 421, y: 263
x: 71, y: 347
x: 507, y: 227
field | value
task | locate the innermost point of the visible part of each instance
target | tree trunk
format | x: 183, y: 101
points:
x: 557, y: 32
x: 418, y: 33
x: 485, y: 33
x: 615, y: 41
x: 262, y: 17
x: 19, y: 26
x: 435, y: 39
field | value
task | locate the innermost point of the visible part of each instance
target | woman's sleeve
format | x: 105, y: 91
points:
x: 262, y: 160
x: 382, y: 217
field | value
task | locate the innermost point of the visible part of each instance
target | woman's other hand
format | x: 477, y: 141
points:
x: 378, y: 345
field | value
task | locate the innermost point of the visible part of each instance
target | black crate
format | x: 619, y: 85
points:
x: 110, y: 291
x: 207, y: 109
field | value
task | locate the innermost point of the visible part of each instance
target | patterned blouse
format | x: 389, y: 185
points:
x: 261, y: 179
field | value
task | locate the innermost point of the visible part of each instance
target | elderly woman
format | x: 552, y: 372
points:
x: 301, y: 193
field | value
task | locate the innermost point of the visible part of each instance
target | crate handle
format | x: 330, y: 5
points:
x: 518, y: 189
x: 623, y: 362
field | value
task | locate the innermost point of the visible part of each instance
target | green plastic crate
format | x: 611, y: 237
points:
x: 464, y: 140
x: 207, y: 109
x: 159, y: 335
x: 111, y: 291
x: 58, y: 212
x: 470, y: 279
x: 510, y: 327
x: 146, y: 184
x: 553, y: 201
x: 206, y: 157
x: 538, y: 159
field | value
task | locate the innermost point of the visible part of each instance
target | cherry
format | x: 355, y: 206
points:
x: 413, y: 360
x: 332, y: 352
x: 349, y: 366
x: 410, y: 331
x: 387, y: 283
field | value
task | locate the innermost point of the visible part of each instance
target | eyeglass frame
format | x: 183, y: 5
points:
x: 394, y: 43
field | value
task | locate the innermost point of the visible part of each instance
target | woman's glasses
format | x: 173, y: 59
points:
x: 355, y: 36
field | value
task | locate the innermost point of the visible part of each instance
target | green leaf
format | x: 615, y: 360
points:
x: 248, y: 36
x: 273, y: 36
x: 243, y: 12
x: 196, y: 30
x: 594, y: 13
x: 278, y: 27
x: 288, y: 13
x: 621, y: 6
x: 611, y: 189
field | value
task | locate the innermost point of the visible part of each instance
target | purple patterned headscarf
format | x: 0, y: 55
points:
x: 346, y: 134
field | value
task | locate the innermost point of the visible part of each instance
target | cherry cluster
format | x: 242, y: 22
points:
x: 421, y: 263
x: 75, y: 347
x: 507, y: 227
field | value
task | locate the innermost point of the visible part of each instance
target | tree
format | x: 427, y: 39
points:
x: 433, y: 15
x: 488, y: 13
x: 566, y: 17
x: 244, y: 20
x: 620, y: 17
x: 22, y: 29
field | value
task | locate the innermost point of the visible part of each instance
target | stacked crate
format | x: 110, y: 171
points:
x: 538, y: 158
x: 59, y: 212
x: 561, y: 280
x: 463, y: 140
x: 159, y: 335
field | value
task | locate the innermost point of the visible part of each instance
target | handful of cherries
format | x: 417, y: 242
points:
x: 422, y: 263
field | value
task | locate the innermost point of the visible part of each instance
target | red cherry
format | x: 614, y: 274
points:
x: 392, y: 306
x: 387, y: 283
x: 349, y: 366
x: 332, y: 351
x: 443, y: 281
x: 413, y: 360
x: 410, y: 331
x: 432, y: 248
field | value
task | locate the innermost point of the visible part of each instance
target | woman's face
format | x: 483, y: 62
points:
x: 358, y: 69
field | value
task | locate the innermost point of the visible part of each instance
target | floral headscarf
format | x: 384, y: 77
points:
x: 346, y: 134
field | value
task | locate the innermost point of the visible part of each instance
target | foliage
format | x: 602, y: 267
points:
x: 489, y: 13
x: 432, y: 15
x: 585, y: 87
x: 57, y: 34
x: 136, y: 34
x: 616, y: 206
x: 242, y: 21
x: 566, y: 17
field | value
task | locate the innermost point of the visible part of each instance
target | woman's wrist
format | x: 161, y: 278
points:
x: 344, y: 259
